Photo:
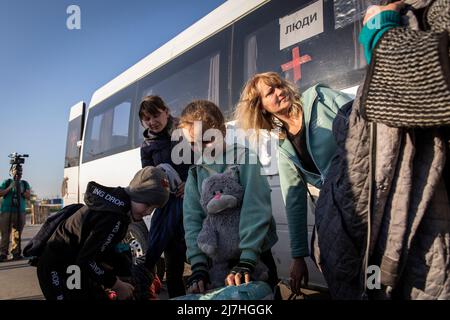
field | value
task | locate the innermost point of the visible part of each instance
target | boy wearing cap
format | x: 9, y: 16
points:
x: 88, y: 239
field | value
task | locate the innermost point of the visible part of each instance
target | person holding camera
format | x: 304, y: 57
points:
x: 15, y: 193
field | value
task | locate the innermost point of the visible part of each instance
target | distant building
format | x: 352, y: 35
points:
x: 52, y: 201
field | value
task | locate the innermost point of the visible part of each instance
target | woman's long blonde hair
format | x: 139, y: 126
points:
x: 249, y: 111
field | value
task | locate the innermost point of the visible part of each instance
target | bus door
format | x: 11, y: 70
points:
x: 70, y: 186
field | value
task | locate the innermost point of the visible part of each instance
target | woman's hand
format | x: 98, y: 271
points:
x: 299, y: 272
x: 374, y: 10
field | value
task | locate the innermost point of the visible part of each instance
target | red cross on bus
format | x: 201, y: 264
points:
x: 296, y: 63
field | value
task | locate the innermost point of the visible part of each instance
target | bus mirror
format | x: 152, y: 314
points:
x: 79, y: 143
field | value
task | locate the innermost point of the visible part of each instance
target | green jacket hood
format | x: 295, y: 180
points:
x: 320, y: 106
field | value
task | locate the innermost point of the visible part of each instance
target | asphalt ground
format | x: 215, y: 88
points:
x: 18, y: 280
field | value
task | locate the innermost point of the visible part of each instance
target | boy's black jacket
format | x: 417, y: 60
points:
x: 36, y: 246
x: 89, y: 237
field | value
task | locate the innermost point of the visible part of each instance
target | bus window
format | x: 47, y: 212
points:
x: 108, y: 126
x: 120, y: 122
x: 347, y: 12
x: 200, y: 73
x: 196, y: 81
x: 303, y: 41
x: 73, y: 136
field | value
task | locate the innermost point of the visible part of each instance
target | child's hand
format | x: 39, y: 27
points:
x: 123, y: 290
x: 242, y: 271
x: 198, y: 281
x: 197, y: 287
x: 374, y: 10
x: 236, y: 279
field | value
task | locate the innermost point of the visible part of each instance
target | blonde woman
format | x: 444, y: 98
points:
x: 306, y: 146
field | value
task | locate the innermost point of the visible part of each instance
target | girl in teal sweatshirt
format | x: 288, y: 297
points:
x: 257, y: 230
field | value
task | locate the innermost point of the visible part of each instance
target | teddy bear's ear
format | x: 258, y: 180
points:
x: 232, y: 171
x: 203, y: 184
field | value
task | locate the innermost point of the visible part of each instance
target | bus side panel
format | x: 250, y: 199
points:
x: 111, y: 171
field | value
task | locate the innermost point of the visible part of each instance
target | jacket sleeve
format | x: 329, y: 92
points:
x: 256, y: 211
x: 106, y: 233
x: 193, y: 216
x: 333, y: 99
x: 374, y: 29
x: 295, y: 200
x: 146, y: 157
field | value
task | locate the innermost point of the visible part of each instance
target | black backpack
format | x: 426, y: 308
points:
x: 36, y: 246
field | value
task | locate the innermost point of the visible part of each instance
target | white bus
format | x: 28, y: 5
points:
x: 307, y: 41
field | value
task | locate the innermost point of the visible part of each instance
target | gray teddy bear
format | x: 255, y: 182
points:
x: 221, y: 199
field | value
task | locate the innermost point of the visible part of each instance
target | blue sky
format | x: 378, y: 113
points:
x: 46, y: 68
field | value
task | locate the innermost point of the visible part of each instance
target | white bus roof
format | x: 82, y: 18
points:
x: 209, y: 25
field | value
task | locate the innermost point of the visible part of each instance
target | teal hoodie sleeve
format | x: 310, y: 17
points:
x: 256, y: 212
x: 193, y: 216
x: 374, y: 29
x: 295, y: 199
